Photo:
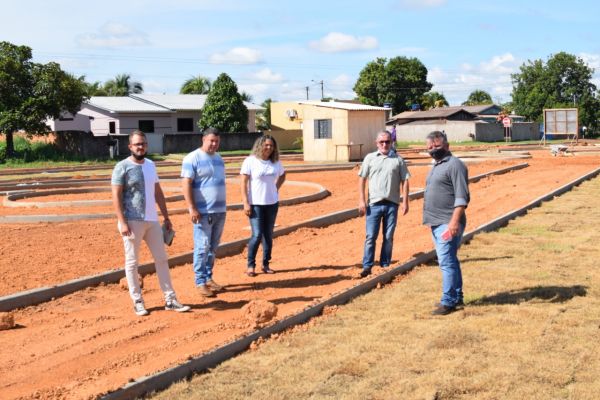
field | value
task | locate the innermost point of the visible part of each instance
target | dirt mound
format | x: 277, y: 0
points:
x: 7, y: 321
x: 258, y: 312
x: 123, y: 283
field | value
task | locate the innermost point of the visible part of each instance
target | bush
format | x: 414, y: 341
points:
x: 26, y: 151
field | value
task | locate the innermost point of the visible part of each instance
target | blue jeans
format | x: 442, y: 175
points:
x: 384, y: 214
x: 207, y: 235
x: 262, y: 221
x: 452, y: 285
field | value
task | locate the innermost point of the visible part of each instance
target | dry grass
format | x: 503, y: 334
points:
x: 530, y: 329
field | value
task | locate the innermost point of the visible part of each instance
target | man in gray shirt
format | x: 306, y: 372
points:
x: 387, y: 176
x: 446, y: 198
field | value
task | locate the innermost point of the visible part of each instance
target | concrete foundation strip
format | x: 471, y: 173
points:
x: 43, y: 294
x: 164, y: 379
x: 9, y: 201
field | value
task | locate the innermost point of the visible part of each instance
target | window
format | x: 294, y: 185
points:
x: 65, y: 119
x: 185, y: 125
x: 112, y: 127
x: 146, y: 126
x: 322, y: 129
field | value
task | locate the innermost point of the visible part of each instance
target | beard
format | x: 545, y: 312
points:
x: 138, y: 157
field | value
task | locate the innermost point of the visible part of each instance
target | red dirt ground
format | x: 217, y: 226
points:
x: 90, y: 342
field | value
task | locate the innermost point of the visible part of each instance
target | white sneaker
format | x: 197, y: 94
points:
x: 174, y: 305
x: 139, y: 308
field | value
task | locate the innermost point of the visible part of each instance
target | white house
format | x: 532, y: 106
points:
x: 154, y: 114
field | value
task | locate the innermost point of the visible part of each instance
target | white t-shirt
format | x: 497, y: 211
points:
x: 150, y: 179
x: 263, y: 180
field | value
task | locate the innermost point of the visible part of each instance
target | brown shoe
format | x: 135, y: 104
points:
x: 205, y: 291
x: 214, y: 286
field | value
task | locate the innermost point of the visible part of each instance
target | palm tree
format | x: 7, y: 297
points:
x: 478, y: 97
x: 433, y: 100
x: 246, y: 97
x: 196, y: 85
x: 122, y: 85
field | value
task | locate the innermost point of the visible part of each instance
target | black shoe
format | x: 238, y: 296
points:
x: 443, y: 310
x: 365, y: 272
x: 460, y: 305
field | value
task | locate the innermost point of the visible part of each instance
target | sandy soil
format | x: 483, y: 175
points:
x: 91, y: 342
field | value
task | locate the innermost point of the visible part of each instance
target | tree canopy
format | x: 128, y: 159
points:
x: 224, y: 108
x: 478, y: 97
x: 30, y: 93
x: 564, y: 81
x: 263, y: 118
x: 401, y: 81
x: 196, y: 85
x: 433, y: 100
x: 122, y: 85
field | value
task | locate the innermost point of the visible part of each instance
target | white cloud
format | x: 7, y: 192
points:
x: 237, y: 55
x: 592, y: 60
x: 266, y: 75
x: 422, y: 3
x: 492, y: 76
x: 113, y: 34
x: 335, y: 42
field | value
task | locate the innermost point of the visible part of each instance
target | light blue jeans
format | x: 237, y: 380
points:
x: 447, y: 250
x: 384, y: 214
x: 207, y: 235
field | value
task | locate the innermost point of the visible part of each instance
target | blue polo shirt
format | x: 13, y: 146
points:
x: 208, y: 180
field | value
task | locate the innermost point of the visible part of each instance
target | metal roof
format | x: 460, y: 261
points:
x: 184, y: 102
x: 125, y: 104
x: 343, y: 106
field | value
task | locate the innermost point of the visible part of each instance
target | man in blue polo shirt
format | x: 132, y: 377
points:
x: 203, y: 184
x: 446, y: 198
x: 387, y: 177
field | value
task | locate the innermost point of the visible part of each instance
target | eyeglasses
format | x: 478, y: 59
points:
x: 139, y: 144
x: 384, y: 142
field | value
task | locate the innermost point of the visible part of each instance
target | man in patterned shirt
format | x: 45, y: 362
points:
x: 135, y: 193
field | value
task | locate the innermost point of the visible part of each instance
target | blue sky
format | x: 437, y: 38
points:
x: 275, y: 48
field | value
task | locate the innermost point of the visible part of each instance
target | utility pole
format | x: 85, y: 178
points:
x: 321, y: 83
x: 306, y: 87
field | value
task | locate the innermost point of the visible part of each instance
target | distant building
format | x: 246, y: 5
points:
x: 331, y: 130
x: 153, y: 114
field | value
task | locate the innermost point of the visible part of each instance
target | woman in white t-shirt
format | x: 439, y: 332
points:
x: 262, y: 175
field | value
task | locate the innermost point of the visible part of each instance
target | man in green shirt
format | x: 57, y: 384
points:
x: 387, y: 177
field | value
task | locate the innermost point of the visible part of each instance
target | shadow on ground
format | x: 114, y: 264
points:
x: 551, y: 294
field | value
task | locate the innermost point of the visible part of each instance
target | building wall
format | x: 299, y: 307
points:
x: 280, y: 119
x: 464, y: 131
x: 80, y: 122
x: 195, y: 115
x: 363, y: 128
x: 323, y: 149
x: 348, y: 128
x: 286, y: 140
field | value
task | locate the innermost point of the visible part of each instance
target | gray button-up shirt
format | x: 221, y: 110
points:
x: 447, y: 187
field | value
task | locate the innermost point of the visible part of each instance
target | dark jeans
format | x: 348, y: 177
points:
x: 262, y: 221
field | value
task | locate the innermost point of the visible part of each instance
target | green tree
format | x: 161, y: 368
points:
x: 246, y: 97
x: 224, y: 108
x: 564, y: 81
x: 95, y: 89
x: 478, y: 97
x: 196, y: 85
x: 433, y: 100
x: 263, y: 118
x: 401, y: 81
x: 122, y: 85
x: 30, y: 93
